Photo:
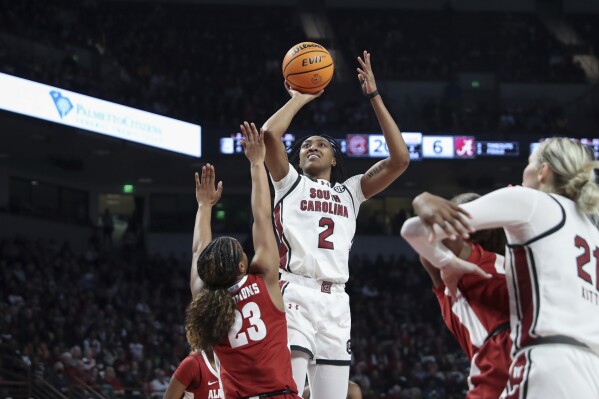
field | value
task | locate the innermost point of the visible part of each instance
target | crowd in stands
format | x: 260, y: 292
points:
x: 218, y: 65
x: 434, y: 45
x: 94, y: 319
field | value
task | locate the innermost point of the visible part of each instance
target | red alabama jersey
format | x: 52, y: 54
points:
x: 482, y: 307
x: 198, y: 376
x: 255, y: 359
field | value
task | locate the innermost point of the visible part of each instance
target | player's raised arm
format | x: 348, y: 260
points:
x: 266, y: 259
x: 274, y: 128
x: 206, y: 195
x: 384, y: 172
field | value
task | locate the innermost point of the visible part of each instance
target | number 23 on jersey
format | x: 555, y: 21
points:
x: 256, y: 331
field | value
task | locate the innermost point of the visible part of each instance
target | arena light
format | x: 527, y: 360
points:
x: 77, y: 110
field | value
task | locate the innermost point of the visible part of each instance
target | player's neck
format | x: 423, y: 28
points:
x: 324, y: 175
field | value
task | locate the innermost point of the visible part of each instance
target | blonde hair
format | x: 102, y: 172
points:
x: 573, y: 171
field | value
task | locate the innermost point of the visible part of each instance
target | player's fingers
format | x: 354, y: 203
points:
x: 243, y: 132
x: 210, y: 176
x: 431, y: 234
x: 459, y: 227
x: 462, y: 211
x: 453, y: 289
x: 243, y: 143
x: 203, y: 179
x: 460, y: 221
x: 255, y: 134
x: 481, y: 272
x: 445, y: 226
x: 261, y: 135
x: 219, y: 189
x: 361, y: 62
x: 248, y: 133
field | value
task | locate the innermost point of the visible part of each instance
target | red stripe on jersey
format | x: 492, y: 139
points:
x: 283, y: 250
x: 517, y: 386
x: 453, y: 323
x: 524, y: 289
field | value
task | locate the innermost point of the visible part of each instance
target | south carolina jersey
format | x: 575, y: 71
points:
x: 315, y: 224
x: 555, y: 276
x: 479, y: 319
x: 255, y: 358
x: 551, y: 266
x: 200, y: 379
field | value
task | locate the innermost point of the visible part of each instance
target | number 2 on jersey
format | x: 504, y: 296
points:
x: 256, y: 331
x: 329, y: 225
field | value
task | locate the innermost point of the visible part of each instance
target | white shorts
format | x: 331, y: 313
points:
x: 553, y: 371
x: 318, y: 319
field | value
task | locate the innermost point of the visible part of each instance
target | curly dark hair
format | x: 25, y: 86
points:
x: 211, y: 313
x: 492, y: 240
x: 337, y: 171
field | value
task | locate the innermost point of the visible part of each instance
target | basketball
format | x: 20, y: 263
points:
x: 308, y: 67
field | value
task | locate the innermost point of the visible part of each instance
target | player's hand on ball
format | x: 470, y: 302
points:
x: 304, y: 96
x: 365, y: 75
x: 253, y: 143
x: 206, y: 193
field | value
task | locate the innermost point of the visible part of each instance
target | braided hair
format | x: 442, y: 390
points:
x: 337, y: 171
x: 211, y: 313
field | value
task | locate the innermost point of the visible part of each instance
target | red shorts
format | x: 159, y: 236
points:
x: 490, y: 367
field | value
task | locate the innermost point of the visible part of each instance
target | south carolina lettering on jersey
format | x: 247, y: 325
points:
x: 246, y: 292
x: 331, y: 204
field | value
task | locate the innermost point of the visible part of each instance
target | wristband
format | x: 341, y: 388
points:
x: 373, y: 94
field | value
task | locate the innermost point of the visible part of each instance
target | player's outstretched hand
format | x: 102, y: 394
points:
x: 206, y: 193
x: 453, y: 272
x: 434, y: 210
x: 365, y: 75
x: 253, y: 143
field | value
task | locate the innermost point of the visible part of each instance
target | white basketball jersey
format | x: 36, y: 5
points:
x: 315, y: 224
x: 552, y: 266
x: 554, y: 279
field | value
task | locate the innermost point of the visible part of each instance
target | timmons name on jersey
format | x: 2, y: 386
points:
x: 246, y: 292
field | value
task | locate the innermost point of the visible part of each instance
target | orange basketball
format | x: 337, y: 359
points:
x: 308, y: 67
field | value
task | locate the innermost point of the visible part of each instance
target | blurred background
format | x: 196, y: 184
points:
x: 95, y: 227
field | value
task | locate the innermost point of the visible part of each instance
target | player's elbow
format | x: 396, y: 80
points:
x: 267, y: 130
x: 397, y: 165
x: 400, y: 163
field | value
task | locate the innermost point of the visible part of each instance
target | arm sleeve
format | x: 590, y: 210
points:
x: 188, y: 372
x: 512, y: 208
x: 286, y: 182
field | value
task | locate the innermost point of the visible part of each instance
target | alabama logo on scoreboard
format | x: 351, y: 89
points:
x: 464, y: 146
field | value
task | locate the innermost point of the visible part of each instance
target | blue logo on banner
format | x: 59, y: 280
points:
x: 63, y: 104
